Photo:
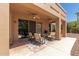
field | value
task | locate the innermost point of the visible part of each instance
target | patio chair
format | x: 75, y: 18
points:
x: 51, y: 35
x: 30, y: 36
x: 39, y: 38
x: 42, y: 38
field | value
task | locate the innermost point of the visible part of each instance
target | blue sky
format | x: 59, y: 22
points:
x: 71, y: 9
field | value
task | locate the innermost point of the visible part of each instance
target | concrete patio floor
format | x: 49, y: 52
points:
x: 61, y: 47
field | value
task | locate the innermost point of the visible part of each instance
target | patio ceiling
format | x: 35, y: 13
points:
x: 30, y: 9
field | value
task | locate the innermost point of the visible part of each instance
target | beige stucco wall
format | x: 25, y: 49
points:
x: 52, y: 8
x: 14, y: 23
x: 4, y: 29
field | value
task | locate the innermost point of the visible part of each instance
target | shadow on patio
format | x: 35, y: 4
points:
x: 24, y: 41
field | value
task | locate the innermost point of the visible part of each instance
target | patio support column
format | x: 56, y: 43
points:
x: 64, y: 28
x: 58, y: 29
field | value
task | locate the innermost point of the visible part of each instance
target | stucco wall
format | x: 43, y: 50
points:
x: 53, y: 9
x: 4, y: 29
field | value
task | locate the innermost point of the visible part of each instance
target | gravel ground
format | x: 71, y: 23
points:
x: 75, y: 49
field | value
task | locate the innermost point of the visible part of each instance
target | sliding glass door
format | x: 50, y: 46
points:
x: 26, y: 26
x: 32, y: 26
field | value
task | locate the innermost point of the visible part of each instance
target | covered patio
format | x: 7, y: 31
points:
x: 37, y: 18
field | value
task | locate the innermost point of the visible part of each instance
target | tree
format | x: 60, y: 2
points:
x: 71, y: 26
